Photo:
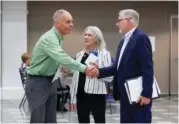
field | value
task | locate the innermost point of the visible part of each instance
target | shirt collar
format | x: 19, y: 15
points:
x: 129, y: 33
x: 57, y: 33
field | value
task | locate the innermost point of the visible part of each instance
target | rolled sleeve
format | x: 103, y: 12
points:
x: 55, y: 51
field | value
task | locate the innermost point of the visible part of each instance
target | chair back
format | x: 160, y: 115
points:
x: 21, y: 76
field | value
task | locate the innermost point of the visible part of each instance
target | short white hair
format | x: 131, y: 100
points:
x: 58, y: 13
x: 98, y: 36
x: 130, y: 13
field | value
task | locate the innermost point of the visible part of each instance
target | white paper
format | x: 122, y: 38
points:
x: 156, y: 89
x: 91, y: 58
x: 125, y: 84
x: 135, y: 89
x: 57, y: 75
x: 152, y: 40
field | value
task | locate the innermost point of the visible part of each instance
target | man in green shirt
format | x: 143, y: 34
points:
x: 47, y: 56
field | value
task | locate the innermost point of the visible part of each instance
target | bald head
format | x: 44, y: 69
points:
x: 63, y: 21
x: 59, y: 13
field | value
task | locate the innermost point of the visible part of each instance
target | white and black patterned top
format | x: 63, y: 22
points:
x: 23, y: 72
x: 92, y: 85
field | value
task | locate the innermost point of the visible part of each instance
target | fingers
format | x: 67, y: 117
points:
x: 88, y: 70
x: 92, y: 72
x: 73, y: 107
x: 141, y: 101
x: 144, y: 100
x: 94, y: 64
x: 63, y: 69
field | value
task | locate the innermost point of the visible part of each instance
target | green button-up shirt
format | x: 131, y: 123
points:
x: 48, y: 55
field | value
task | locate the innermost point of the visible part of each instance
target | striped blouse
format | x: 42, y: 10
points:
x: 92, y: 85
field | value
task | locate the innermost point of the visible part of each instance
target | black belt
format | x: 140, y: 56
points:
x: 41, y: 76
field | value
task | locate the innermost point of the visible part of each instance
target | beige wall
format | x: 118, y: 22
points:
x: 154, y: 20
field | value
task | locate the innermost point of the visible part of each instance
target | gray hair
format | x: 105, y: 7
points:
x: 130, y: 13
x: 58, y: 13
x: 98, y: 36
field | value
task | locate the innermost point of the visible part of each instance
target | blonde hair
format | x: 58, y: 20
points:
x: 25, y: 56
x: 98, y: 36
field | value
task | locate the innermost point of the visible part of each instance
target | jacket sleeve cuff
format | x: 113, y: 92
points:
x: 146, y: 94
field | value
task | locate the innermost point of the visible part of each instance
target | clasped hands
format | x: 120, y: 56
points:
x: 92, y: 70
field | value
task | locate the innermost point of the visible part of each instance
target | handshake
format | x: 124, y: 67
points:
x: 92, y: 70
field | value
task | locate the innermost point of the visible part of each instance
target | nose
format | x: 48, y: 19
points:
x: 71, y: 24
x: 86, y: 36
x: 117, y: 24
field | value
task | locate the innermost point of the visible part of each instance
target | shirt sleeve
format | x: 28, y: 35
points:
x: 55, y: 51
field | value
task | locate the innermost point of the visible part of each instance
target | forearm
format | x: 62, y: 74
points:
x: 107, y: 71
x: 55, y: 52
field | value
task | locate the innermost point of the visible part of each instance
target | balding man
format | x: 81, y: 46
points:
x: 47, y: 56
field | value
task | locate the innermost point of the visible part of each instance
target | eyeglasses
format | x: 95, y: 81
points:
x: 119, y: 20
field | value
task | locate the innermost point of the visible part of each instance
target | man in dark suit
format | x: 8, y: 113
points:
x: 133, y: 59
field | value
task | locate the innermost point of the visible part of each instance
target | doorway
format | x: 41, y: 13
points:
x: 173, y: 80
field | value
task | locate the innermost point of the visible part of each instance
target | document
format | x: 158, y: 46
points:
x: 57, y: 75
x: 134, y: 88
x: 91, y: 58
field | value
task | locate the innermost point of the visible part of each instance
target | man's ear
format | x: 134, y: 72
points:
x: 56, y: 23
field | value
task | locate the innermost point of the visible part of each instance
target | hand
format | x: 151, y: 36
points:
x: 73, y: 107
x: 144, y: 100
x: 63, y: 69
x: 94, y: 64
x: 88, y: 70
x: 91, y: 71
x: 94, y: 72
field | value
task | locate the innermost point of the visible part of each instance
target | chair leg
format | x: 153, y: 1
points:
x: 110, y: 107
x: 69, y: 103
x: 26, y: 112
x: 60, y: 103
x: 23, y: 104
x: 22, y: 101
x: 63, y: 102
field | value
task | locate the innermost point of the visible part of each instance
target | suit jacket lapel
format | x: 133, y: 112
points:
x: 119, y: 49
x: 129, y: 46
